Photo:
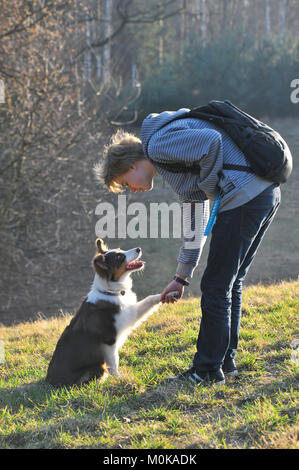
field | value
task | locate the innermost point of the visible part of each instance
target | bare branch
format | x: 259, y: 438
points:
x: 43, y: 12
x: 144, y: 16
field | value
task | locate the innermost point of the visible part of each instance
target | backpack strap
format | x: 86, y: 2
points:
x: 178, y: 167
x: 228, y: 166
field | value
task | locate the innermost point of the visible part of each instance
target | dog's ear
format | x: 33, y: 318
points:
x: 100, y: 246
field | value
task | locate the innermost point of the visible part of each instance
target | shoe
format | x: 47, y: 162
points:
x: 200, y: 377
x: 229, y: 367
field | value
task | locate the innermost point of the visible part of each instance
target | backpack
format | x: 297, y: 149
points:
x: 266, y: 152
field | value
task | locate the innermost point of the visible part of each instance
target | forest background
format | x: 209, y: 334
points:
x: 71, y: 73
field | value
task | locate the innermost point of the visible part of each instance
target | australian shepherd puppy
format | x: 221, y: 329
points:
x: 89, y: 345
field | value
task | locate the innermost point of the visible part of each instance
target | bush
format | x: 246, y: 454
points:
x: 254, y: 77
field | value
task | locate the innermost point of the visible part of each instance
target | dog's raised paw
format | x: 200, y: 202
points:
x: 174, y: 293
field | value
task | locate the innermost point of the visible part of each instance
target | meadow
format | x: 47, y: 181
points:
x: 141, y: 410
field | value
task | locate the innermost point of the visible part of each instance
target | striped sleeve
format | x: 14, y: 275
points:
x: 195, y: 217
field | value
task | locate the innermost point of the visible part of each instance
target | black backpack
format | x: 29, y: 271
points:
x: 265, y: 150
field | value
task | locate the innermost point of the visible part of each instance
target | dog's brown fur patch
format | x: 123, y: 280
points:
x: 119, y: 271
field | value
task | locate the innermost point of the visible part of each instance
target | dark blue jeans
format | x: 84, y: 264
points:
x: 236, y: 237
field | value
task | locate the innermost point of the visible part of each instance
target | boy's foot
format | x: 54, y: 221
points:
x: 199, y: 377
x: 229, y: 368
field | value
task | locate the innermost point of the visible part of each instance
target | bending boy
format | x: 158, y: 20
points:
x: 248, y: 205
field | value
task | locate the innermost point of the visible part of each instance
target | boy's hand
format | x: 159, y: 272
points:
x: 172, y: 286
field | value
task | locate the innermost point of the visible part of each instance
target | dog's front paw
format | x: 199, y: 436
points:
x: 112, y: 368
x: 155, y: 298
x: 113, y: 371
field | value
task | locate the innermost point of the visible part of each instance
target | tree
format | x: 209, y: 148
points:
x: 63, y: 86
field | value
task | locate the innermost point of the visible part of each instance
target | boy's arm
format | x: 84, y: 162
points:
x: 178, y: 143
x: 195, y: 218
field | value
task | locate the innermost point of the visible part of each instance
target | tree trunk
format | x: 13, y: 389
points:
x: 107, y: 47
x: 268, y: 21
x: 283, y: 18
x: 203, y: 22
x: 87, y: 53
x: 97, y: 51
x: 161, y: 43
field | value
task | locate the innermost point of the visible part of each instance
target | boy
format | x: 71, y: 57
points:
x: 248, y: 205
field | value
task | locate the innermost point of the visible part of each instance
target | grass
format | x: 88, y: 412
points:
x: 141, y: 411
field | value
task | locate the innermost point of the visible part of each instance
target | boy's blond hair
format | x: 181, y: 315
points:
x: 123, y: 150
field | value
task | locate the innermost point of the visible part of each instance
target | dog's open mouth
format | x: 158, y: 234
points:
x: 134, y: 265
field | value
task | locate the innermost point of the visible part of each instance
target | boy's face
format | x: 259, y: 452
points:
x: 139, y: 177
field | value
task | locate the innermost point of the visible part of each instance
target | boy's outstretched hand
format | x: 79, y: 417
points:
x: 172, y: 293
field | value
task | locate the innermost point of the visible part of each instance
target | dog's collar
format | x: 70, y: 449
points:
x: 107, y: 292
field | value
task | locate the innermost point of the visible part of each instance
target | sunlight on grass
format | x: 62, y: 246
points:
x: 141, y: 409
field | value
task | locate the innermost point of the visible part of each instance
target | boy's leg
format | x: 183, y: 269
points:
x: 236, y: 307
x: 236, y: 236
x: 222, y: 267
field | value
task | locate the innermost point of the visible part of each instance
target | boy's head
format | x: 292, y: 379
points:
x: 124, y: 165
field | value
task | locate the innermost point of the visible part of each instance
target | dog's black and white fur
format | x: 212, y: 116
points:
x: 88, y: 347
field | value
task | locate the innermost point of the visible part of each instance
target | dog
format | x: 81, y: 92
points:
x: 88, y: 347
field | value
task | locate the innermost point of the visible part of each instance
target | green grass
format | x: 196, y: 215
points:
x: 141, y: 411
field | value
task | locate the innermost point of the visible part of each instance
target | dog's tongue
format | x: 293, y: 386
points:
x: 134, y: 264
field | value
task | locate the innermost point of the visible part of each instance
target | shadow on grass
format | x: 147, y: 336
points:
x: 28, y: 395
x: 86, y: 410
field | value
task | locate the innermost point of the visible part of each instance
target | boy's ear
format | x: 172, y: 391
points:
x: 100, y: 246
x: 133, y: 166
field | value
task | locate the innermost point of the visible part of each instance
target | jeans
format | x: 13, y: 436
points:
x: 236, y: 237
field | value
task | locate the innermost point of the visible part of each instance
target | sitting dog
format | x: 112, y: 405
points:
x: 89, y: 345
